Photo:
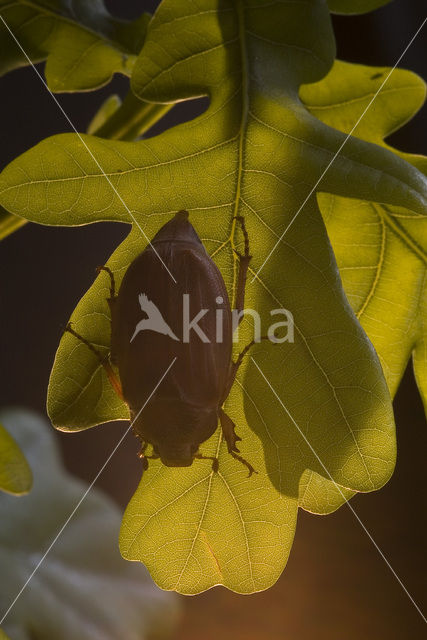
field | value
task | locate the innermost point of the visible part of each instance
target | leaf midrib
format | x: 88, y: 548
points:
x: 202, y: 517
x: 404, y: 235
x: 241, y: 138
x: 388, y: 220
x: 244, y: 85
x: 378, y: 267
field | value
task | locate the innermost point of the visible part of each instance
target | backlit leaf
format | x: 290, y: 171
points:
x: 15, y: 474
x: 317, y: 405
x: 83, y: 44
x: 382, y: 258
x: 381, y: 250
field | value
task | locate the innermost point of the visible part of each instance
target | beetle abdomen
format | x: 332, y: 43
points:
x: 155, y: 321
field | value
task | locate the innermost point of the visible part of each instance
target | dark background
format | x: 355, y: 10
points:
x: 336, y: 584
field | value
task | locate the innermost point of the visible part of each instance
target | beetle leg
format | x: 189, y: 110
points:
x: 244, y: 260
x: 112, y: 300
x: 112, y: 280
x: 144, y: 459
x: 141, y: 453
x: 215, y: 462
x: 234, y: 367
x: 228, y: 429
x: 103, y: 359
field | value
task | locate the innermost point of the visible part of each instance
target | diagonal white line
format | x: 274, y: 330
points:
x: 338, y: 151
x: 85, y: 494
x: 86, y: 147
x: 342, y: 494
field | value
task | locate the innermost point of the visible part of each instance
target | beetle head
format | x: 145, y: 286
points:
x: 175, y: 429
x: 181, y: 455
x: 179, y: 228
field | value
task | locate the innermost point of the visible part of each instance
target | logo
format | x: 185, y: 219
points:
x: 156, y: 322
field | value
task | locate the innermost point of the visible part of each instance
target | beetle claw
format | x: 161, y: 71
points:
x: 228, y: 429
x: 245, y: 462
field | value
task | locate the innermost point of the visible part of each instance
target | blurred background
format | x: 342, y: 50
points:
x: 336, y: 584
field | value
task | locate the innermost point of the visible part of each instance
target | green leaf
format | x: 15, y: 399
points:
x: 355, y: 6
x: 383, y: 258
x: 319, y: 495
x: 84, y: 45
x: 3, y: 636
x: 83, y: 588
x: 15, y: 474
x: 256, y: 152
x: 381, y: 250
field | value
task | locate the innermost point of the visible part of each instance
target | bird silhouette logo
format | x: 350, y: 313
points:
x: 155, y: 320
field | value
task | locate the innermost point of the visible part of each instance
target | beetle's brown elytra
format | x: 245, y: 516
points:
x: 155, y: 320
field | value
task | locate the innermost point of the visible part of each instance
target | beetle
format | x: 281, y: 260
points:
x: 151, y: 328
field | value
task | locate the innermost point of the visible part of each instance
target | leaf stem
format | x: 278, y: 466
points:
x: 132, y: 119
x: 9, y: 223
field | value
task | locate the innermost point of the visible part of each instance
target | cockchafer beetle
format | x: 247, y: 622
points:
x: 150, y: 327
